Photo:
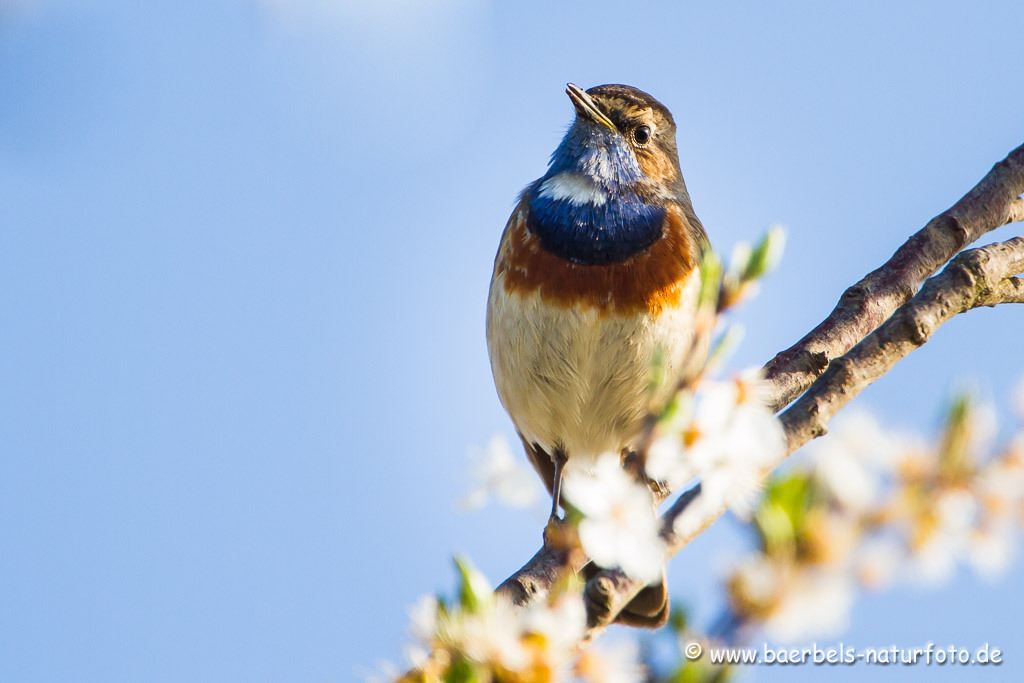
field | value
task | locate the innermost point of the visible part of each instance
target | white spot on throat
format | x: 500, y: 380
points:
x: 577, y: 188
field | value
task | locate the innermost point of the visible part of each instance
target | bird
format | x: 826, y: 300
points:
x: 597, y: 279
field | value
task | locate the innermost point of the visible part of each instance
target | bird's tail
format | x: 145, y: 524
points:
x: 648, y: 609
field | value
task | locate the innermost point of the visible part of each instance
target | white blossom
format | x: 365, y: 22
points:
x: 692, y: 520
x: 1001, y: 483
x: 860, y: 435
x: 612, y: 662
x: 383, y: 672
x: 495, y: 637
x: 983, y: 426
x: 842, y: 464
x: 423, y: 618
x: 415, y: 655
x: 816, y: 602
x: 852, y: 484
x: 490, y: 636
x: 562, y: 624
x: 878, y: 561
x: 498, y: 634
x: 730, y: 440
x: 990, y: 549
x: 666, y: 461
x: 737, y: 458
x: 756, y: 580
x: 1018, y: 398
x: 619, y: 528
x: 935, y: 561
x: 955, y: 514
x: 498, y: 473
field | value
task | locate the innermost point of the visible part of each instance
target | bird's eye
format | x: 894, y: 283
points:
x: 642, y: 135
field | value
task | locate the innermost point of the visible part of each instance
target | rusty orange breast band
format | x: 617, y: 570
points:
x: 645, y: 282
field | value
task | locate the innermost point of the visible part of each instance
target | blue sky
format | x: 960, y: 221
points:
x: 244, y: 255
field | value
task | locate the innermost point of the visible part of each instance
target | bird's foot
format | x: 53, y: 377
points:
x: 560, y: 534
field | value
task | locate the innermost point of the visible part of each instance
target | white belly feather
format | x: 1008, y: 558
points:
x: 579, y: 379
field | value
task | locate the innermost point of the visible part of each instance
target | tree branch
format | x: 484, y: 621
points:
x: 979, y: 277
x: 1017, y: 211
x: 535, y: 579
x: 992, y: 203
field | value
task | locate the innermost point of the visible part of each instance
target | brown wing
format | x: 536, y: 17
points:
x: 541, y: 462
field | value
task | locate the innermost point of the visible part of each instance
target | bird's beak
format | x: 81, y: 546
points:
x: 586, y: 107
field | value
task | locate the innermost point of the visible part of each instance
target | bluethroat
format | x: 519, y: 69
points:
x: 596, y: 279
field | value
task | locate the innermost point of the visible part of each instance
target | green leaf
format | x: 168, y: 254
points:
x: 783, y: 509
x: 710, y: 280
x: 475, y: 592
x: 678, y: 617
x: 463, y: 671
x: 766, y: 255
x: 955, y: 457
x: 739, y: 261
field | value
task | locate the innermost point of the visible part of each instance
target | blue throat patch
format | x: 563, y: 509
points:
x: 586, y: 232
x: 590, y: 234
